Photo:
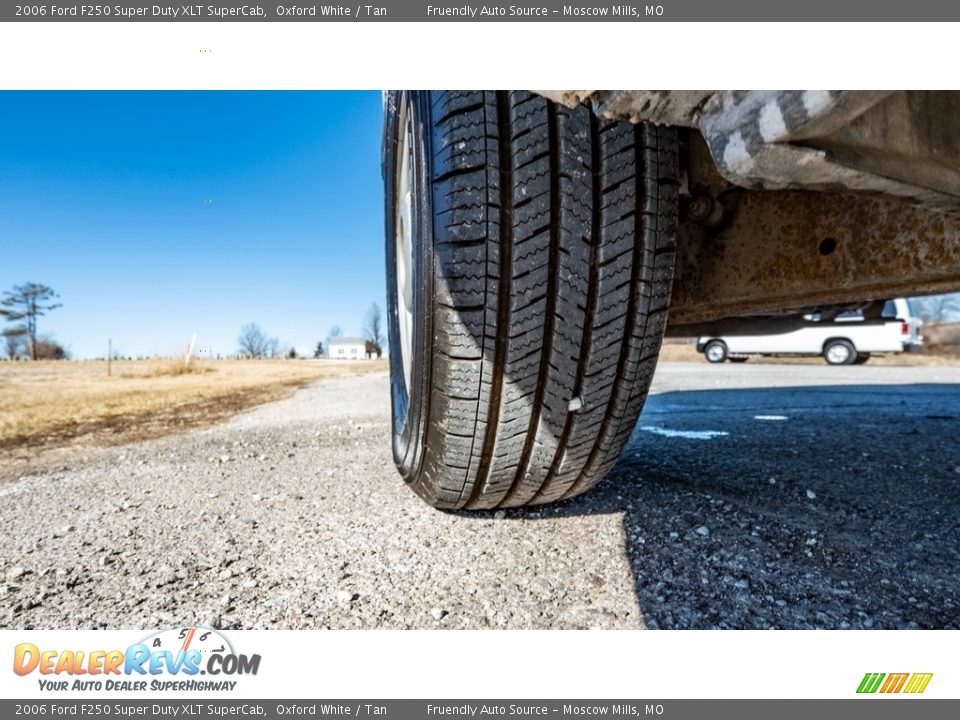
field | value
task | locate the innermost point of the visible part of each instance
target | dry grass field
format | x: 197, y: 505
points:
x: 52, y: 410
x: 54, y: 403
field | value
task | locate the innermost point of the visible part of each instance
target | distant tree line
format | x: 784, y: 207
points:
x: 22, y: 307
x: 254, y: 343
x: 939, y: 308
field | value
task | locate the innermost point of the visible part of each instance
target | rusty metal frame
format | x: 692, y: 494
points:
x: 799, y: 200
x: 781, y: 250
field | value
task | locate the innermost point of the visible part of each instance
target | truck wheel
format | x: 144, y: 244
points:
x: 530, y: 252
x: 715, y: 351
x: 839, y: 352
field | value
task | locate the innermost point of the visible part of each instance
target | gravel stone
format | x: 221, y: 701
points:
x: 336, y: 540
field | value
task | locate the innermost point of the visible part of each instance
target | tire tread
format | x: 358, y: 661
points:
x: 554, y: 236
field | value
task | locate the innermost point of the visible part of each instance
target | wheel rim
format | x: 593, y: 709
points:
x: 838, y: 354
x: 405, y: 233
x: 715, y: 353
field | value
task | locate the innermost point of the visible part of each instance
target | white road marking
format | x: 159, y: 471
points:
x: 688, y: 434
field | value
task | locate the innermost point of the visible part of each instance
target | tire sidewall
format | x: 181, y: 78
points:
x: 848, y: 346
x: 715, y: 344
x: 409, y: 408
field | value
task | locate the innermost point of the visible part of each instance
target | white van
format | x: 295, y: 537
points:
x: 847, y: 340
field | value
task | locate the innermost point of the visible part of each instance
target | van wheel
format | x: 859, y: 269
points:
x: 840, y: 352
x: 715, y: 351
x: 530, y: 252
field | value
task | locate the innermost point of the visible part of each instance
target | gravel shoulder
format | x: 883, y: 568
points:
x: 843, y: 514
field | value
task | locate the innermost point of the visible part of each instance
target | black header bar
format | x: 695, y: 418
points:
x: 521, y: 11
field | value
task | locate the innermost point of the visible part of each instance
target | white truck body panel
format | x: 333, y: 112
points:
x: 900, y: 331
x: 872, y: 338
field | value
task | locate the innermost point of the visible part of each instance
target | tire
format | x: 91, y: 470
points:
x: 715, y: 351
x: 839, y: 352
x: 529, y: 323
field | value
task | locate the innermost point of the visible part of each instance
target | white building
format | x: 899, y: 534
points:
x: 347, y: 348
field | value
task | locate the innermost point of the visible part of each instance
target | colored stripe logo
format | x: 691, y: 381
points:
x: 912, y: 683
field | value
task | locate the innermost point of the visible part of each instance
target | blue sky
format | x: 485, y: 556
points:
x: 159, y: 214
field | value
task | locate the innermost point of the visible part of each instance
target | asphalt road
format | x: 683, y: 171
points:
x: 750, y: 496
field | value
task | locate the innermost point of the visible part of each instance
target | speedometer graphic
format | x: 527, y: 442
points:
x: 181, y: 640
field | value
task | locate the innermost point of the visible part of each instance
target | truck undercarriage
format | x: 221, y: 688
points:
x: 803, y: 200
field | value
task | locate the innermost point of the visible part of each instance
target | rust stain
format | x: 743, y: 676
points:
x: 769, y: 256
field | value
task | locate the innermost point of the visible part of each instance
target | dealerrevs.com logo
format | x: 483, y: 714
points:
x: 891, y: 683
x: 169, y: 660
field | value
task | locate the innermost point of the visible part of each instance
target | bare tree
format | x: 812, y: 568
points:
x: 252, y: 342
x: 47, y: 348
x: 373, y: 329
x: 13, y: 342
x: 939, y: 308
x: 24, y: 304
